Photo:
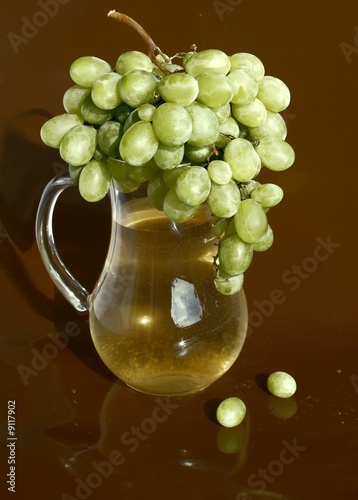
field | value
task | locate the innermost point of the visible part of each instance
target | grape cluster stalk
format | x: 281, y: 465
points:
x: 196, y: 133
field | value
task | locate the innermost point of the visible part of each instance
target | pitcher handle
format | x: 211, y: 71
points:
x: 66, y: 283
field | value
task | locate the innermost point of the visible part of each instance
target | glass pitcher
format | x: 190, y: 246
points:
x: 156, y: 318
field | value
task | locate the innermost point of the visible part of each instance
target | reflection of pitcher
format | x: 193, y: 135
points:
x: 156, y: 318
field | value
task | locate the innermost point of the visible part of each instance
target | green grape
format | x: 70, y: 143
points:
x: 133, y: 59
x: 244, y: 161
x: 170, y: 176
x: 227, y: 130
x: 87, y: 69
x: 167, y: 157
x: 245, y: 86
x: 250, y: 186
x: 253, y: 114
x: 187, y: 56
x: 146, y: 112
x: 267, y: 195
x: 55, y: 128
x: 274, y: 125
x: 93, y: 114
x: 205, y: 125
x: 222, y: 113
x: 138, y: 87
x: 219, y: 226
x: 74, y: 97
x: 178, y: 88
x: 118, y: 169
x: 274, y: 94
x: 229, y: 230
x: 120, y: 173
x: 224, y: 199
x: 250, y: 221
x: 172, y: 124
x: 235, y: 255
x: 78, y: 145
x: 231, y: 412
x: 94, y: 180
x: 122, y: 112
x: 196, y: 154
x: 215, y: 89
x: 157, y: 190
x: 229, y: 285
x: 75, y: 172
x: 144, y: 173
x: 265, y: 242
x: 219, y: 172
x: 109, y: 136
x: 105, y: 91
x: 138, y: 144
x: 173, y: 67
x: 207, y: 60
x: 193, y: 186
x: 99, y: 154
x: 175, y: 209
x: 248, y: 62
x: 132, y: 119
x: 281, y: 384
x: 275, y: 154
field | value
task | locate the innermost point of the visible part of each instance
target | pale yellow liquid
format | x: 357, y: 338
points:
x: 153, y: 339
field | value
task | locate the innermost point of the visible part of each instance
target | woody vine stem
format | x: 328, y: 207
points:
x: 153, y: 49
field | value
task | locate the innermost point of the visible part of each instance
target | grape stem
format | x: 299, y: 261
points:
x: 153, y: 49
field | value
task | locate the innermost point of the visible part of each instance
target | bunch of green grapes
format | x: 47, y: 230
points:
x: 197, y: 133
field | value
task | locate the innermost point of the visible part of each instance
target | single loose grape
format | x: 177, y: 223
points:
x: 231, y: 412
x: 281, y: 384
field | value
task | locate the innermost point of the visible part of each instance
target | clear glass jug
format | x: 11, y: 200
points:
x: 156, y: 318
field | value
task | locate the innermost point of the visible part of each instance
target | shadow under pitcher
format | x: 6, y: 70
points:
x: 156, y: 318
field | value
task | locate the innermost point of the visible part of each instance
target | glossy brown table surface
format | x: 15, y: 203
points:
x: 82, y: 434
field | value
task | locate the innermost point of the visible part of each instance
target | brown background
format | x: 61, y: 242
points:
x: 71, y: 405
